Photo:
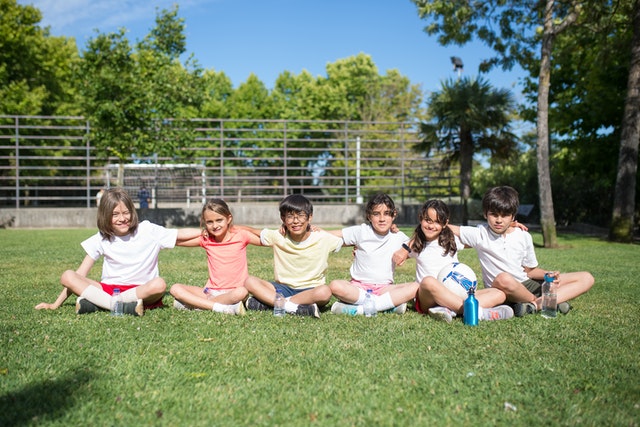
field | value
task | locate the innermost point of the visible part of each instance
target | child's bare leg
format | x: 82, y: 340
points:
x: 152, y: 291
x: 261, y: 290
x: 344, y: 291
x: 402, y: 292
x: 514, y: 290
x: 490, y: 297
x: 432, y: 293
x: 319, y: 295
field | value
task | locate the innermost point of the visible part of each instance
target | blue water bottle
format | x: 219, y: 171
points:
x: 470, y: 313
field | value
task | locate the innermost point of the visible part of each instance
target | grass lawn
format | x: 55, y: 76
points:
x: 173, y: 368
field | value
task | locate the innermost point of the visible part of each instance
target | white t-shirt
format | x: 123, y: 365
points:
x: 432, y: 259
x: 498, y: 253
x: 373, y: 262
x: 131, y: 259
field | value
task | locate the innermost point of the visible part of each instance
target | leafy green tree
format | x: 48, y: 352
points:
x: 138, y: 101
x: 469, y: 115
x: 36, y: 69
x: 515, y: 31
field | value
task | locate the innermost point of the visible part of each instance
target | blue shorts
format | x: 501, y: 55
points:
x: 288, y: 291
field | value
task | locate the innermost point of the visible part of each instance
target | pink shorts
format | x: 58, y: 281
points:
x: 417, y: 304
x: 376, y: 289
x: 123, y: 288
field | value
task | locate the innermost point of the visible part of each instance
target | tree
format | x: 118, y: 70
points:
x: 513, y: 31
x: 36, y: 69
x: 138, y: 100
x: 468, y: 115
x: 624, y: 201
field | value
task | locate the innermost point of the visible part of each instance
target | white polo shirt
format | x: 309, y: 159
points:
x: 498, y: 253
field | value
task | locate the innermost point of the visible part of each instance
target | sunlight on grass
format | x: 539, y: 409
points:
x: 201, y: 369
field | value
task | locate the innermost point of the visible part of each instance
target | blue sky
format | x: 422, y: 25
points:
x: 267, y: 37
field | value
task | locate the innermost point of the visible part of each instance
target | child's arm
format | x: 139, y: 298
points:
x: 83, y: 271
x: 455, y: 229
x: 188, y: 237
x: 64, y: 294
x: 254, y: 231
x: 401, y: 255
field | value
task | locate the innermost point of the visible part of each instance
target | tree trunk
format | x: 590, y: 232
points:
x: 622, y: 220
x: 547, y: 216
x: 466, y: 165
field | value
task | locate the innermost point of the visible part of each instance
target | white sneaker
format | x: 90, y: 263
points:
x: 499, y: 312
x: 350, y: 309
x: 442, y: 313
x: 401, y: 309
x: 178, y: 305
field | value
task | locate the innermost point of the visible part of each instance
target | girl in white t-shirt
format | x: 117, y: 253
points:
x: 130, y: 250
x: 372, y: 268
x: 434, y: 246
x: 226, y: 247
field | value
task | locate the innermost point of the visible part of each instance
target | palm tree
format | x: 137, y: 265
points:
x: 469, y: 115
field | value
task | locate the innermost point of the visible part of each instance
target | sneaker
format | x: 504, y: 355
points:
x: 133, y: 308
x: 564, y: 307
x: 401, y: 309
x: 308, y: 310
x: 84, y: 306
x: 239, y: 309
x: 499, y: 312
x: 523, y: 308
x: 442, y: 313
x: 178, y: 305
x: 256, y: 304
x: 350, y: 309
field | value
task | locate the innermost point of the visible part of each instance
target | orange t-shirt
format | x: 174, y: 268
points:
x: 227, y: 261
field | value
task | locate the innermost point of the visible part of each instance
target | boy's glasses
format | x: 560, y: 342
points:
x: 300, y: 216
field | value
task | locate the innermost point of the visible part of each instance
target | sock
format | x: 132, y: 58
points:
x: 97, y: 296
x: 130, y: 295
x: 361, y: 296
x: 290, y: 307
x: 225, y: 308
x: 383, y: 302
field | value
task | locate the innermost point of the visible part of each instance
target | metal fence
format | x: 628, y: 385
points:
x: 50, y: 161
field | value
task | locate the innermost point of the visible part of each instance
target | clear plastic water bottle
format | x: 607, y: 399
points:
x: 369, y: 305
x: 116, y: 303
x: 207, y: 293
x: 549, y: 296
x: 470, y: 313
x: 278, y: 305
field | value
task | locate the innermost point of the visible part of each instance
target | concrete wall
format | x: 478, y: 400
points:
x: 252, y: 214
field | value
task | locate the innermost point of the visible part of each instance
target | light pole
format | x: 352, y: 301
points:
x: 457, y: 65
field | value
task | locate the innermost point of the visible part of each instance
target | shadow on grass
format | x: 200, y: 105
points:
x: 46, y: 400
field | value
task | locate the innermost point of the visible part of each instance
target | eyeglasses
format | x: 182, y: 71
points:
x: 300, y: 216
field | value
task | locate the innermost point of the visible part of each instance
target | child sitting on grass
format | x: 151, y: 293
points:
x: 300, y: 262
x: 434, y: 247
x: 372, y: 268
x: 130, y: 250
x: 508, y: 259
x: 226, y: 248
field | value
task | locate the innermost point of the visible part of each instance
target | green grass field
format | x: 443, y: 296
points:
x: 173, y: 368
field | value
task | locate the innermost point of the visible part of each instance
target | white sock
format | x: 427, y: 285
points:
x: 97, y: 296
x: 361, y: 296
x: 383, y: 302
x: 129, y: 295
x: 225, y: 308
x: 290, y: 307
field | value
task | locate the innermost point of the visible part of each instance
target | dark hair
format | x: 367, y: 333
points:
x: 446, y: 239
x: 380, y: 199
x: 295, y: 203
x: 500, y: 200
x: 218, y: 206
x: 110, y: 199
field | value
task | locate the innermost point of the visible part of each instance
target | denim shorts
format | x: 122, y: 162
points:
x: 288, y: 291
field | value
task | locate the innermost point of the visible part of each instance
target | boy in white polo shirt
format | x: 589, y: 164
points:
x: 508, y: 259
